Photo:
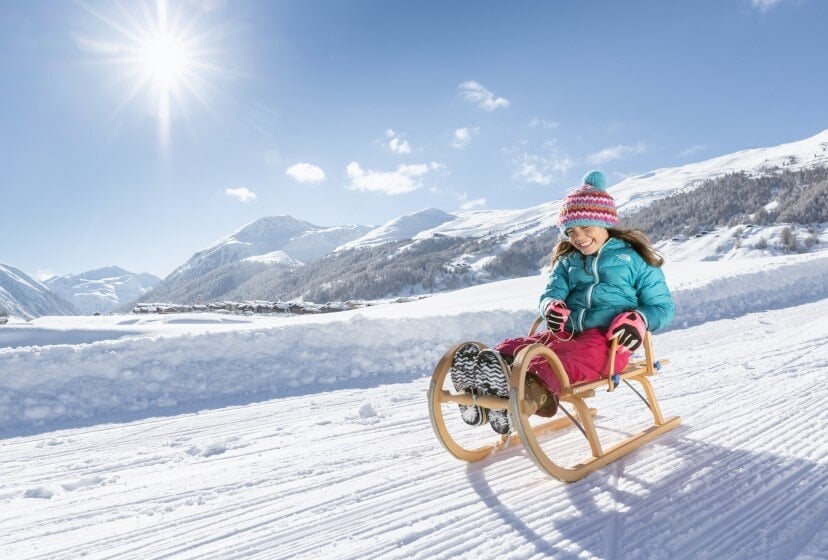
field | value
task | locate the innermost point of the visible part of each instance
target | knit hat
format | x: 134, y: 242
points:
x: 588, y: 205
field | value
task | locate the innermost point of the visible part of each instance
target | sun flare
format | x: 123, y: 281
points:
x: 163, y: 57
x: 165, y: 60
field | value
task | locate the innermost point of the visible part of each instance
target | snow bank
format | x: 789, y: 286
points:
x: 161, y: 371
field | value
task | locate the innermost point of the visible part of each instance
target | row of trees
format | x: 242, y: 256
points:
x: 388, y: 270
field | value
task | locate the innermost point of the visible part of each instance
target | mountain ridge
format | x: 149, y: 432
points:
x: 102, y: 290
x: 476, y: 246
x: 23, y: 296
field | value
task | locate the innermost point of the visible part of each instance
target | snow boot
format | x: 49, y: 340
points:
x: 493, y: 380
x: 534, y: 390
x: 462, y: 374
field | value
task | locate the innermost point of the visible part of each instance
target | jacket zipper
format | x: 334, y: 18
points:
x: 592, y: 287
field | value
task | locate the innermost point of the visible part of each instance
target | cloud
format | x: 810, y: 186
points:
x: 538, y: 169
x: 472, y: 204
x: 616, y: 152
x: 765, y: 5
x: 397, y: 142
x: 476, y: 93
x: 543, y: 123
x: 692, y: 150
x: 242, y: 194
x: 44, y: 274
x: 462, y: 137
x: 306, y: 173
x: 405, y: 179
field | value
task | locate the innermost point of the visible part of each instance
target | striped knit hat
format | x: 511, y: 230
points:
x: 588, y: 205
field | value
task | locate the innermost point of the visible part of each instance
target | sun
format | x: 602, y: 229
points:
x: 164, y: 58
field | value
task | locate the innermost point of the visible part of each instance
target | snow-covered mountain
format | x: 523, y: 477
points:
x: 276, y: 240
x: 640, y: 191
x: 102, y: 290
x: 432, y: 250
x: 630, y: 194
x: 23, y: 296
x: 404, y: 227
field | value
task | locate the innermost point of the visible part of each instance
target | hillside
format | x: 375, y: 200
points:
x: 433, y: 251
x: 276, y: 244
x: 24, y: 297
x: 310, y: 437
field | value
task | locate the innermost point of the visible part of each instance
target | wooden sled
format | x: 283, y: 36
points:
x: 441, y: 393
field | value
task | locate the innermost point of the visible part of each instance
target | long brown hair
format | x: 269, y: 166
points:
x: 635, y: 237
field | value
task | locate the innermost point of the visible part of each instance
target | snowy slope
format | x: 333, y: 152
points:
x: 275, y: 239
x: 142, y: 365
x: 317, y: 443
x: 23, y: 296
x: 404, y: 227
x: 634, y: 192
x: 102, y: 290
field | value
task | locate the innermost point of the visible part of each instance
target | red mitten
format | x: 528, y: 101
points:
x: 629, y: 327
x: 556, y: 316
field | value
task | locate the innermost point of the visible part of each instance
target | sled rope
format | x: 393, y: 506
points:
x: 574, y: 421
x: 640, y: 396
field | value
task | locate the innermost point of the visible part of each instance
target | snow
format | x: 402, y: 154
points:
x: 636, y: 192
x: 630, y: 195
x: 102, y: 290
x: 398, y: 229
x: 214, y: 436
x: 274, y: 240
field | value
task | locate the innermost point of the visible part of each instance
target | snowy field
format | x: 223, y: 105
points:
x: 208, y: 436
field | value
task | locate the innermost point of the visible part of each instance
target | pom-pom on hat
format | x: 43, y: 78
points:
x: 588, y: 205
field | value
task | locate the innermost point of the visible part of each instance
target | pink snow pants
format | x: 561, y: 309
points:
x: 585, y: 357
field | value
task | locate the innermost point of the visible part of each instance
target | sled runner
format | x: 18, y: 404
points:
x: 529, y: 431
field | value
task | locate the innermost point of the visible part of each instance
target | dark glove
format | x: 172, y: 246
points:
x: 556, y: 316
x: 629, y: 327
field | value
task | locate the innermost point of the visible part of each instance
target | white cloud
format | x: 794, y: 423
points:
x: 462, y: 137
x: 405, y: 179
x: 306, y: 173
x: 615, y: 152
x: 397, y: 142
x: 43, y: 274
x: 543, y: 123
x: 538, y: 169
x: 242, y: 194
x: 472, y: 204
x: 765, y: 5
x: 476, y: 93
x: 692, y: 150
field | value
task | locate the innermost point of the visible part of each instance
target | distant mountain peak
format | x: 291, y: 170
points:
x: 272, y: 226
x: 25, y: 297
x: 103, y: 289
x: 403, y: 227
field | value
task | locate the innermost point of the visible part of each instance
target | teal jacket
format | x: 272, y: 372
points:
x: 614, y: 280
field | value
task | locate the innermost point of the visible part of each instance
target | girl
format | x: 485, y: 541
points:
x: 605, y: 283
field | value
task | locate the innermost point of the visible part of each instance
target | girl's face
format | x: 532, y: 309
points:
x: 589, y: 239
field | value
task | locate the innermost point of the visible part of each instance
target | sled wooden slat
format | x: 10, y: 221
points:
x: 521, y: 409
x: 467, y: 399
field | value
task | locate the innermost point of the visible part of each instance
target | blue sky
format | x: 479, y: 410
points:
x: 137, y: 134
